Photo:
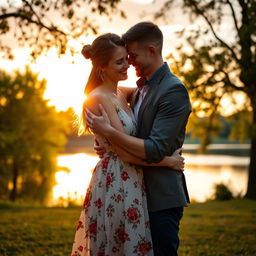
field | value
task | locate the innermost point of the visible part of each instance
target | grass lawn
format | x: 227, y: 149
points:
x: 219, y: 229
x: 207, y: 229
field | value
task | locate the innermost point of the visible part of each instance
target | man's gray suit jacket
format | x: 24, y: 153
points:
x: 162, y: 120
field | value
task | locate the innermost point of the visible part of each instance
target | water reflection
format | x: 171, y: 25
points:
x: 201, y: 180
x: 71, y: 186
x: 202, y: 171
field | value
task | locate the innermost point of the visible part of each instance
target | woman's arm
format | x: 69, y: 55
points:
x: 101, y: 125
x: 171, y: 118
x: 127, y: 92
x: 175, y: 161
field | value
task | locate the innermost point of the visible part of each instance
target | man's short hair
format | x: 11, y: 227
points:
x: 145, y: 32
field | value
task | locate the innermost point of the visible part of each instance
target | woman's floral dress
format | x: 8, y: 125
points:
x: 114, y: 219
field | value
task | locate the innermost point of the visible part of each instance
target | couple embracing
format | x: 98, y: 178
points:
x: 135, y: 200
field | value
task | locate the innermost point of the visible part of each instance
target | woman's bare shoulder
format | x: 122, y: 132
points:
x: 93, y: 100
x: 99, y: 96
x: 106, y: 99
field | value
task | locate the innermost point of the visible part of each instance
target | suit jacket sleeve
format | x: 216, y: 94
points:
x: 171, y: 118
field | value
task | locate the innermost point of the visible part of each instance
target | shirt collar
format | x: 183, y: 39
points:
x: 141, y: 82
x: 153, y: 78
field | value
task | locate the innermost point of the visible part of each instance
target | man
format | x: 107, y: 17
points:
x: 161, y: 107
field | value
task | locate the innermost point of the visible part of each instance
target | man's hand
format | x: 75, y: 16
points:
x: 97, y: 124
x: 176, y: 161
x: 100, y: 151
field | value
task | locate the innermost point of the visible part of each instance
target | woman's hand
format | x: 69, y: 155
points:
x: 175, y: 161
x: 97, y: 124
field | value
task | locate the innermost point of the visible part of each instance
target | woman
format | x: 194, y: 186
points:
x: 114, y: 219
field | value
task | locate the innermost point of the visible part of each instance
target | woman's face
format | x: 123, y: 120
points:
x: 116, y: 70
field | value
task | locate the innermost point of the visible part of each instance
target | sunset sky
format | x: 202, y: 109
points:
x: 67, y: 75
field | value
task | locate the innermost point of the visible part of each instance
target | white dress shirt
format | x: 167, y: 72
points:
x: 142, y: 93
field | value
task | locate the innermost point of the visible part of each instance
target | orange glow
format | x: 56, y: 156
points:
x: 234, y: 103
x: 66, y: 81
x: 72, y: 185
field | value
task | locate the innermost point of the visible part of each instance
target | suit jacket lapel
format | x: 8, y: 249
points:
x: 143, y: 105
x: 153, y: 84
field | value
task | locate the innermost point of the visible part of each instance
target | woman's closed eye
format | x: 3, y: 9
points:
x: 121, y: 61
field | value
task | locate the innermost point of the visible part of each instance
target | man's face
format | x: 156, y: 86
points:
x: 139, y: 57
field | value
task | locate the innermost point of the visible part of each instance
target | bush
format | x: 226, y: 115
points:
x: 222, y: 192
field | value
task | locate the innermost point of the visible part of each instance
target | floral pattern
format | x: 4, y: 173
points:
x: 114, y: 219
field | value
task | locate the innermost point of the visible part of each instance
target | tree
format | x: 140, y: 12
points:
x: 42, y: 24
x: 221, y: 66
x: 31, y: 135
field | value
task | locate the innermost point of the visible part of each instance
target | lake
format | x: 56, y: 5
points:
x: 202, y: 172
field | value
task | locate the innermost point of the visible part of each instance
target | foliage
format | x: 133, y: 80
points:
x: 50, y: 231
x: 204, y: 128
x: 222, y: 192
x: 42, y: 24
x: 31, y: 135
x: 241, y: 126
x: 219, y: 66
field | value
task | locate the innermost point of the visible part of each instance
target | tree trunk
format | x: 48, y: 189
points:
x: 251, y: 188
x: 13, y: 193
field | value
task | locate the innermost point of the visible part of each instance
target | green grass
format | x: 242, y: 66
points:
x: 207, y: 229
x: 37, y: 231
x: 219, y: 229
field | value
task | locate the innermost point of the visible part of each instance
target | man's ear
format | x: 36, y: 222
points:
x: 152, y: 49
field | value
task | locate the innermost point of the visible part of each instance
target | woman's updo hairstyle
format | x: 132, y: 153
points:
x: 100, y: 52
x: 87, y: 51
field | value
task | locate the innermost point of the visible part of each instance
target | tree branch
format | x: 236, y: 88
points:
x: 200, y: 12
x: 230, y: 83
x: 24, y: 17
x: 233, y: 15
x: 31, y: 8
